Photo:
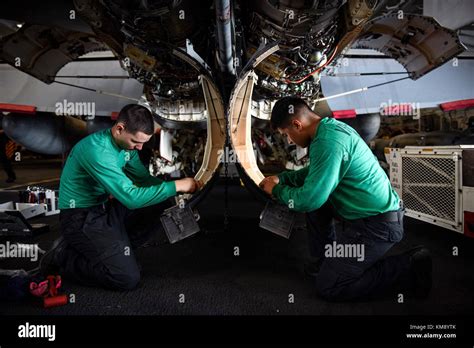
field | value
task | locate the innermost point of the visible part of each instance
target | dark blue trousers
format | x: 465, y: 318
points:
x: 100, y: 241
x: 348, y: 277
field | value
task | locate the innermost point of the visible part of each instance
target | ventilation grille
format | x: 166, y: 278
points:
x: 429, y: 186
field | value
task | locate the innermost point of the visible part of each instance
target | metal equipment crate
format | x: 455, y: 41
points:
x: 436, y: 184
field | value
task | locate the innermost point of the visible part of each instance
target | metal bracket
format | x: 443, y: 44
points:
x: 277, y: 219
x: 179, y: 223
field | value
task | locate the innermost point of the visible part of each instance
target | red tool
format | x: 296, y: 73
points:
x: 48, y: 289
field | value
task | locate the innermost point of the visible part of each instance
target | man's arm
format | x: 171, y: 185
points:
x: 116, y: 183
x: 325, y: 171
x: 293, y: 178
x: 136, y: 171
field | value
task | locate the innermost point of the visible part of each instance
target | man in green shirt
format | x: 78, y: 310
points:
x: 110, y: 203
x: 344, y: 180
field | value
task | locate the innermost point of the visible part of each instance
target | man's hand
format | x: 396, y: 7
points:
x: 187, y: 185
x: 269, y: 183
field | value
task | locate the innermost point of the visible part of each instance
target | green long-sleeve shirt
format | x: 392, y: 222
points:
x: 343, y: 170
x: 97, y: 167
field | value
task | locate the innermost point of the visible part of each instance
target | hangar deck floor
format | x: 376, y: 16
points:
x: 259, y: 281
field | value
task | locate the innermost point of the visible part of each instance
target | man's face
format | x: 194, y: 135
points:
x: 129, y: 141
x: 295, y: 133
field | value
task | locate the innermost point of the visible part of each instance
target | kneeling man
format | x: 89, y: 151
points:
x: 109, y: 204
x: 344, y: 180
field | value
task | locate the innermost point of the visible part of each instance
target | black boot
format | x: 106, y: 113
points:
x: 311, y: 268
x: 420, y: 271
x: 49, y: 263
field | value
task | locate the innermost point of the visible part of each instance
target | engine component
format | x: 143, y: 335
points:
x: 310, y: 37
x: 186, y: 114
x: 224, y: 35
x: 240, y: 125
x: 419, y: 43
x: 42, y: 51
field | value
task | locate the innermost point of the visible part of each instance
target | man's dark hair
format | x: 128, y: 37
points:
x: 136, y: 118
x: 284, y: 111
